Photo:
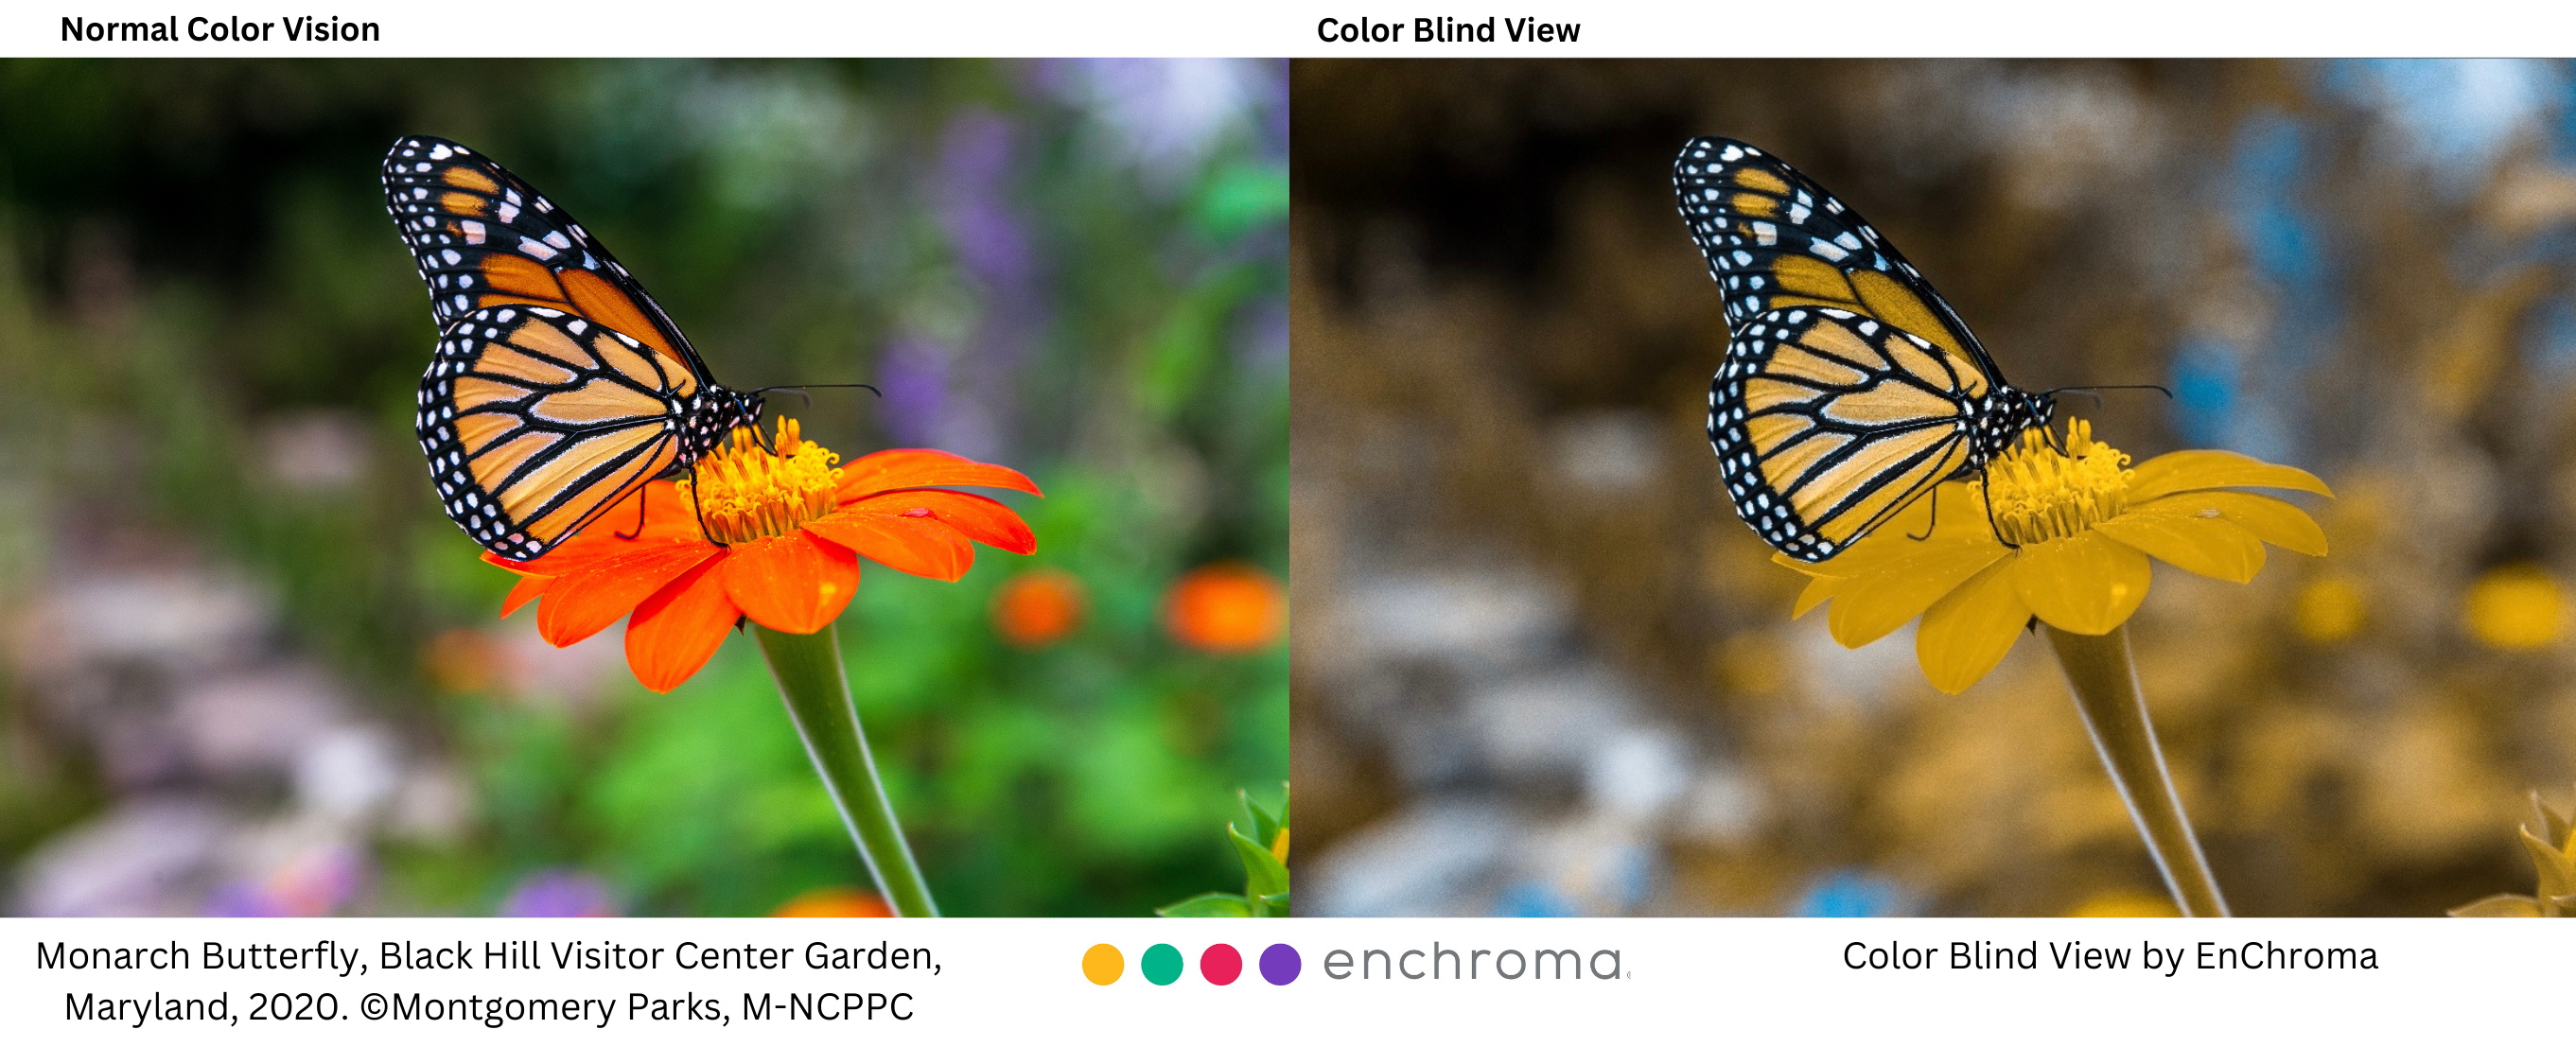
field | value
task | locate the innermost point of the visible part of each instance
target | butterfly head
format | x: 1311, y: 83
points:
x: 714, y: 412
x: 2001, y: 416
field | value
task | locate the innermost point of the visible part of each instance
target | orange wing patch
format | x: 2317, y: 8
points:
x: 464, y: 177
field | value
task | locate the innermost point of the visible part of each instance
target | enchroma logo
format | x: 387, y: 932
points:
x: 1162, y: 964
x: 1440, y: 963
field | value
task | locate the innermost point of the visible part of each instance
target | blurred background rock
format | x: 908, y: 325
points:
x: 1543, y: 669
x: 249, y: 667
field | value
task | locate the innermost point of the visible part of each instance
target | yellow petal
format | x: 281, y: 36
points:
x: 2085, y: 583
x: 1965, y: 634
x: 2166, y: 474
x: 1874, y: 604
x: 2557, y: 871
x: 2201, y: 545
x: 2501, y: 905
x: 1818, y: 590
x: 2268, y: 518
x: 1793, y: 563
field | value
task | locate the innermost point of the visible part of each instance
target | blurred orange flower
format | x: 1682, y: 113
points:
x: 834, y: 901
x: 462, y: 661
x: 1226, y: 607
x: 2081, y: 527
x: 1039, y: 607
x: 780, y: 545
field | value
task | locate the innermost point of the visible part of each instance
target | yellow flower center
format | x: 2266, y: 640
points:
x: 746, y: 492
x: 2039, y: 493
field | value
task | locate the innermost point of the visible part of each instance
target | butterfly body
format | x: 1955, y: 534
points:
x: 1850, y: 387
x: 559, y: 386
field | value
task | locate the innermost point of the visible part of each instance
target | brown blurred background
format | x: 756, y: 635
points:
x: 1541, y: 668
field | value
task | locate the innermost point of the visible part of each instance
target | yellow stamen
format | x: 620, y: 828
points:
x: 744, y: 492
x: 2038, y: 493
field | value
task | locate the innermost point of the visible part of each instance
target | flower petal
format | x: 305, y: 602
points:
x: 894, y: 470
x: 677, y: 629
x: 668, y: 517
x: 2085, y: 583
x: 922, y: 546
x: 580, y: 604
x: 529, y: 588
x: 1968, y: 632
x: 972, y: 515
x: 2209, y: 546
x: 2167, y: 474
x: 794, y: 583
x: 513, y: 566
x: 1819, y: 589
x: 1874, y: 604
x: 2267, y: 518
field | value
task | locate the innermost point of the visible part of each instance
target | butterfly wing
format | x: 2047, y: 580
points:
x: 536, y: 421
x: 1850, y: 388
x: 482, y: 238
x: 1773, y: 238
x: 1827, y: 422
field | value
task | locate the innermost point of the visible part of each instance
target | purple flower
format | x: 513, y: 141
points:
x: 558, y: 893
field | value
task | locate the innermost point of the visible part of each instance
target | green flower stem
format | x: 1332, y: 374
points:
x: 808, y: 671
x: 2105, y: 681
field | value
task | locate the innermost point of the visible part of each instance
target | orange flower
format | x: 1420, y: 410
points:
x: 462, y: 661
x: 834, y: 901
x: 1038, y: 608
x: 782, y: 536
x: 1226, y: 607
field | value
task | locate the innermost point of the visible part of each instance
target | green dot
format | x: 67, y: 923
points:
x: 1162, y: 965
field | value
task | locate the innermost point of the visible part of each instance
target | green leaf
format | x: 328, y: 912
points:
x: 1263, y: 874
x: 1253, y: 818
x: 1212, y: 903
x: 1273, y: 905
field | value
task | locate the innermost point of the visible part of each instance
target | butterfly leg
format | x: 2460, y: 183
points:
x: 696, y: 507
x: 1936, y: 516
x: 1985, y: 485
x: 641, y: 493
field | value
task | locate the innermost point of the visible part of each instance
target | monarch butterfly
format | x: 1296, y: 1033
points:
x: 1850, y: 388
x: 558, y: 387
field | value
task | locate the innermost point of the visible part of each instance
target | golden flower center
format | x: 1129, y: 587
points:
x: 745, y: 492
x: 2039, y: 493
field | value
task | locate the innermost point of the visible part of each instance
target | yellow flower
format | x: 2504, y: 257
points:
x: 2551, y: 842
x: 2070, y: 544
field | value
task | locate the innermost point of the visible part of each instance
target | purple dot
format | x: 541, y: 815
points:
x: 1279, y: 964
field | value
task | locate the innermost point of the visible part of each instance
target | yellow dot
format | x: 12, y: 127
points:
x: 2125, y: 903
x: 1102, y: 964
x: 2516, y: 607
x: 2330, y: 610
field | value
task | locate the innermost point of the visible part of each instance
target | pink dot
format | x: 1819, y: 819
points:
x: 1221, y: 964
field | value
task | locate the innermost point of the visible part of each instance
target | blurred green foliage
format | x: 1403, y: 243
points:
x: 1045, y: 265
x: 1261, y: 841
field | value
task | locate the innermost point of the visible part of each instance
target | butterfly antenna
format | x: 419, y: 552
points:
x: 2091, y: 390
x: 841, y: 385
